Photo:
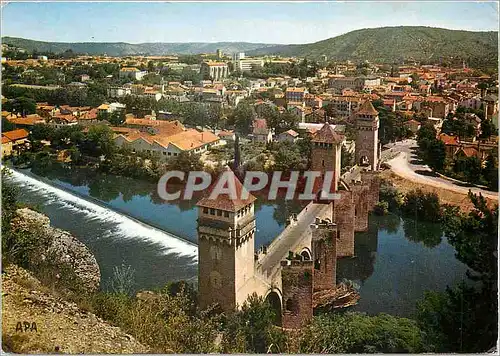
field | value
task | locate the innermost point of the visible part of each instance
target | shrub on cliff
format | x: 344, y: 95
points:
x: 21, y: 241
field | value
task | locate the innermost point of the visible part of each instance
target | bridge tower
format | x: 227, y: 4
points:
x: 367, y: 123
x: 226, y: 233
x: 326, y: 152
x: 324, y: 250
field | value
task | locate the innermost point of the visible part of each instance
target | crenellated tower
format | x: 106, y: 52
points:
x: 226, y: 234
x: 367, y: 123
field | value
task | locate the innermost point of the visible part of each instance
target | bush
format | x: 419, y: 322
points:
x: 422, y: 206
x: 388, y: 193
x: 381, y: 208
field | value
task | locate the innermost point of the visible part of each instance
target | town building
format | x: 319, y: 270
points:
x: 216, y: 71
x: 260, y: 131
x: 132, y: 73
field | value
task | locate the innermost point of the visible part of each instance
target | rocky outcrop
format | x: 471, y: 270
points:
x: 61, y: 248
x: 35, y: 321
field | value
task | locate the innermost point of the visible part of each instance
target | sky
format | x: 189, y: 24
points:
x: 264, y: 22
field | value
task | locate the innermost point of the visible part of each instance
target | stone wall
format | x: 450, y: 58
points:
x: 360, y: 193
x: 372, y: 179
x: 297, y: 284
x: 324, y: 255
x: 343, y: 216
x: 216, y: 273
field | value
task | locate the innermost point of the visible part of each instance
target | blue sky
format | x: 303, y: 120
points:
x: 249, y: 22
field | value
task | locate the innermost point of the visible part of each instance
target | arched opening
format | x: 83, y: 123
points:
x: 364, y: 161
x: 306, y: 255
x: 274, y: 301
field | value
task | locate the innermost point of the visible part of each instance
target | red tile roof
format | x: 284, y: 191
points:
x: 448, y: 139
x: 224, y: 201
x: 469, y: 151
x: 327, y: 135
x: 16, y: 134
x: 367, y: 109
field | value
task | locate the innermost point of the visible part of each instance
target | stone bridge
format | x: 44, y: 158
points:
x: 294, y: 246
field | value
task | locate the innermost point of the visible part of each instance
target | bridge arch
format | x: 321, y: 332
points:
x: 275, y: 299
x: 306, y: 254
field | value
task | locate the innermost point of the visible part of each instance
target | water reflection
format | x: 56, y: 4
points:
x: 361, y: 266
x: 429, y: 234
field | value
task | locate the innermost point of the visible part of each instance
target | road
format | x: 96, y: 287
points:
x: 402, y: 159
x: 281, y: 248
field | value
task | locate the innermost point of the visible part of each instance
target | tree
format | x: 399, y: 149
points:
x: 7, y: 125
x: 100, y: 141
x: 422, y: 206
x: 436, y: 155
x: 288, y: 158
x: 41, y: 132
x: 185, y: 162
x: 490, y: 172
x: 487, y: 129
x: 242, y: 117
x: 360, y: 333
x: 251, y: 328
x: 21, y: 105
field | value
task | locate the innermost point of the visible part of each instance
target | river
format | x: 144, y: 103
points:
x: 123, y: 222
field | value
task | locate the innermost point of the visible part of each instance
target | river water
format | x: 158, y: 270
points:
x: 123, y: 222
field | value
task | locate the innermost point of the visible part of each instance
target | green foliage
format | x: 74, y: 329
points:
x: 7, y: 125
x: 487, y: 129
x: 251, y: 328
x: 21, y: 105
x: 431, y: 150
x: 422, y: 206
x: 468, y: 169
x: 242, y: 117
x: 22, y: 242
x: 185, y: 162
x: 416, y: 43
x: 381, y: 208
x: 388, y: 193
x: 100, y: 140
x: 287, y: 157
x: 490, y: 172
x: 359, y: 333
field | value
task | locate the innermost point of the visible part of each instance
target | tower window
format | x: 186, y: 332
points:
x: 323, y: 162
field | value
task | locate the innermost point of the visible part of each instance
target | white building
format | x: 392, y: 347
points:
x: 117, y: 92
x: 132, y: 73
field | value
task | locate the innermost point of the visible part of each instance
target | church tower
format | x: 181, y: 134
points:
x: 226, y: 234
x: 326, y: 152
x: 367, y: 124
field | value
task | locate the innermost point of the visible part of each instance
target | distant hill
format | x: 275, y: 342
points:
x: 124, y: 49
x: 390, y: 44
x: 385, y: 44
